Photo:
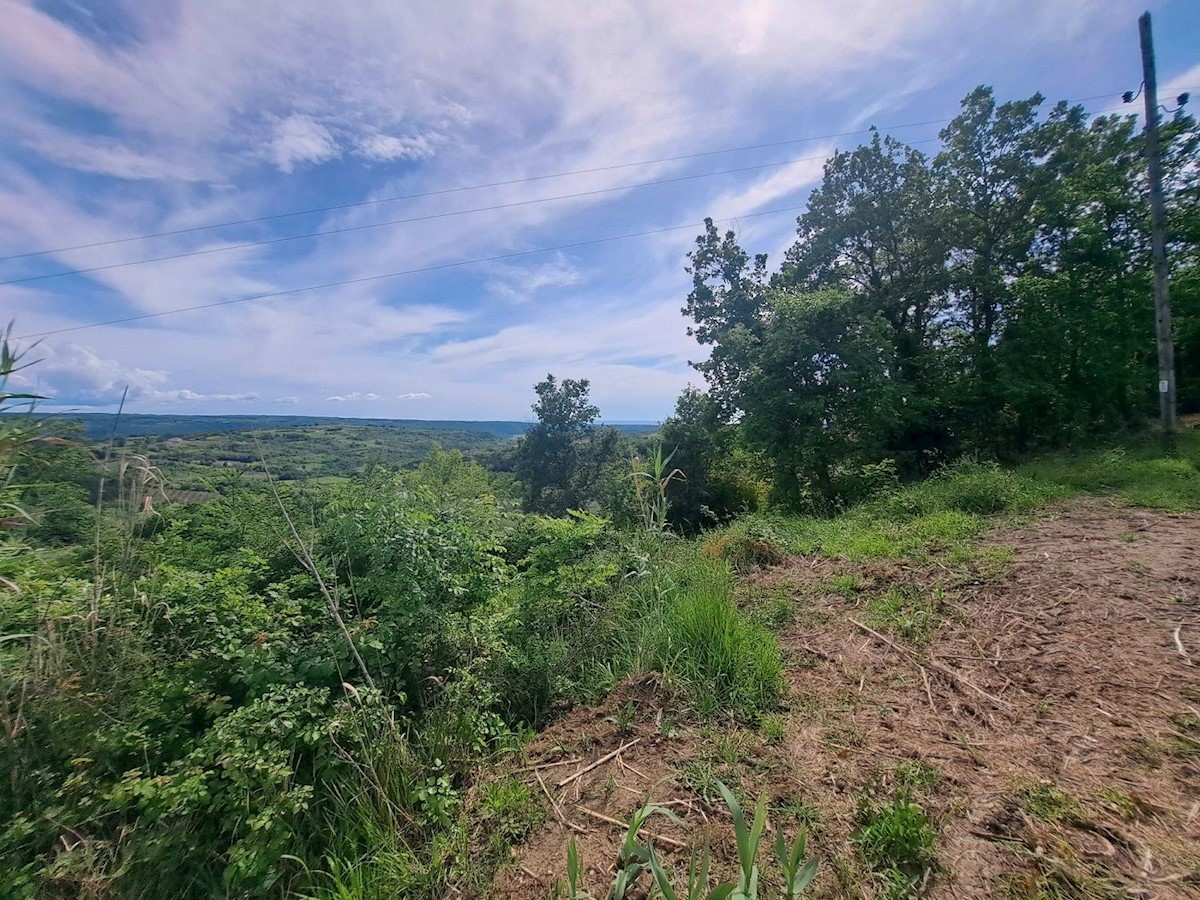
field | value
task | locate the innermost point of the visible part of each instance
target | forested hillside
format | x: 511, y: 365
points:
x: 907, y: 595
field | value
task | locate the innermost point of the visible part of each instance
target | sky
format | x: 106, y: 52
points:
x: 495, y: 151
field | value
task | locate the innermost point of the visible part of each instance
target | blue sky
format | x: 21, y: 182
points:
x: 124, y: 118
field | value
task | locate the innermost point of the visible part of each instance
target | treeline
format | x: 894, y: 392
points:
x: 995, y: 298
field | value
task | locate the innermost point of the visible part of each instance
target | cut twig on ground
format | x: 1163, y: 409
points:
x: 605, y: 758
x: 670, y: 842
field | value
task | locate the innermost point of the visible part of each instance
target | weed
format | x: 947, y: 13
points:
x: 896, y: 841
x: 907, y: 613
x: 914, y: 777
x: 651, y: 481
x: 1047, y: 804
x: 773, y: 727
x: 509, y: 811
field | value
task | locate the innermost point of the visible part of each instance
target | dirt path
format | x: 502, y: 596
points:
x: 1053, y: 714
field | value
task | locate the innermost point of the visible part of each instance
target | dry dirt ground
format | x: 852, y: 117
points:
x: 1051, y: 725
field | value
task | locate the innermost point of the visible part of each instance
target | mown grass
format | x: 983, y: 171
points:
x: 946, y: 513
x: 1135, y: 471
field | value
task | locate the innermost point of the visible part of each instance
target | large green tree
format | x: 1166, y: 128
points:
x: 565, y: 461
x: 994, y: 299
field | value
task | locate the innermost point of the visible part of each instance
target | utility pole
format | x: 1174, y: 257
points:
x: 1158, y: 237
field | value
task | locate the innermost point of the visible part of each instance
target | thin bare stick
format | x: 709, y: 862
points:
x: 558, y: 813
x: 1179, y: 645
x: 928, y: 692
x: 636, y: 771
x: 670, y: 842
x: 549, y: 765
x: 933, y: 663
x: 605, y: 758
x: 304, y: 557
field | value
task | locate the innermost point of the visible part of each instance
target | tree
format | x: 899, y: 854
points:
x: 994, y: 300
x: 872, y: 230
x: 726, y: 298
x: 564, y: 461
x: 720, y: 475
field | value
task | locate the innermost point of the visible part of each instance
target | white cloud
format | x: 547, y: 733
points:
x: 518, y: 283
x: 301, y: 139
x: 386, y: 147
x: 189, y: 396
x: 414, y: 395
x: 351, y: 397
x: 187, y: 109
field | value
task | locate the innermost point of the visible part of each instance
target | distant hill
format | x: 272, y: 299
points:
x: 99, y: 425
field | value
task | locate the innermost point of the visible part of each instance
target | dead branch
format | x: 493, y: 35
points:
x: 605, y: 758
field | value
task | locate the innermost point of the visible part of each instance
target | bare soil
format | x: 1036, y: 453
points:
x: 1058, y: 702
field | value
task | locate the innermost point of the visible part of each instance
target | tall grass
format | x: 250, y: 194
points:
x: 683, y: 621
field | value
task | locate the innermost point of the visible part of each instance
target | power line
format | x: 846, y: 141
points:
x: 425, y: 218
x: 368, y: 278
x: 474, y: 187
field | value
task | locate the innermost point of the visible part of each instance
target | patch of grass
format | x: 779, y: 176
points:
x: 727, y: 661
x: 1121, y: 803
x: 985, y: 563
x: 914, y: 777
x: 773, y: 727
x: 907, y: 613
x: 1045, y: 803
x: 1054, y: 881
x: 1184, y: 742
x: 741, y: 551
x: 509, y: 811
x: 843, y: 736
x: 1137, y: 472
x: 847, y: 584
x: 772, y: 606
x: 803, y: 814
x: 897, y: 842
x: 970, y: 486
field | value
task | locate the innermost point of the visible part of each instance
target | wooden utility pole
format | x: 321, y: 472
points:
x: 1158, y: 237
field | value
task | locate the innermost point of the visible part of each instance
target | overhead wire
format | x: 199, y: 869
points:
x: 474, y: 187
x: 226, y: 248
x: 415, y: 271
x: 440, y: 266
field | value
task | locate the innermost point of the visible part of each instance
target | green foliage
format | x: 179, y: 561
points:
x: 990, y: 300
x: 1046, y: 803
x: 1136, y: 472
x: 565, y: 461
x: 726, y: 660
x: 907, y: 613
x: 636, y: 858
x: 722, y: 477
x: 896, y: 840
